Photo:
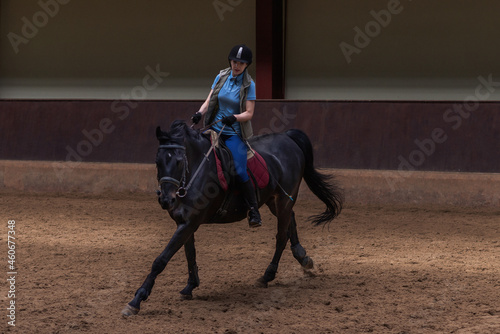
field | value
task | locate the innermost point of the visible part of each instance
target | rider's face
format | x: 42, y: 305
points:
x: 238, y: 67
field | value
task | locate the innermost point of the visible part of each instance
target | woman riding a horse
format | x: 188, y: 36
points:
x: 231, y: 102
x: 189, y: 188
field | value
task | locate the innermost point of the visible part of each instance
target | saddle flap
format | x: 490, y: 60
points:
x: 256, y: 165
x: 257, y: 168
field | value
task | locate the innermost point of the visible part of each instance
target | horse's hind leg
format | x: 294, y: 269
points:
x: 281, y: 240
x: 299, y: 253
x: 193, y: 280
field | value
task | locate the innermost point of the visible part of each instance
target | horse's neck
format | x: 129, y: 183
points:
x: 196, y: 150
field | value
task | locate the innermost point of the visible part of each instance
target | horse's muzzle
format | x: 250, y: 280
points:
x: 166, y: 201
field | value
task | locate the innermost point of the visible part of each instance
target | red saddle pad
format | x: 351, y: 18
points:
x: 256, y: 164
x: 258, y: 167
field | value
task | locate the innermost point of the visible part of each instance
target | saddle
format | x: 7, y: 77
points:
x: 256, y: 165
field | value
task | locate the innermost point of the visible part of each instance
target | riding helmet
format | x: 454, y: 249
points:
x: 241, y: 53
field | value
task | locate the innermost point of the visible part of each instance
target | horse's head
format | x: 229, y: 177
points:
x: 181, y: 149
x: 171, y: 163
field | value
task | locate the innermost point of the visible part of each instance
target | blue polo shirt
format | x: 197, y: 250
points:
x: 229, y: 101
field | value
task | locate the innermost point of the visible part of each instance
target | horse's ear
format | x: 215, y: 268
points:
x: 158, y: 132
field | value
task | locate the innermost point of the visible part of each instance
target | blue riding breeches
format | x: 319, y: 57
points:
x: 239, y: 151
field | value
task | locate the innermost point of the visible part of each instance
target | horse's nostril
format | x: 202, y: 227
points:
x: 166, y: 202
x: 158, y: 193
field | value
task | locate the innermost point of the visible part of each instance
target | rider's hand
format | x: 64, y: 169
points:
x: 196, y: 118
x: 229, y: 120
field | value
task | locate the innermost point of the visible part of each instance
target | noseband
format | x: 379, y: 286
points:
x: 181, y: 192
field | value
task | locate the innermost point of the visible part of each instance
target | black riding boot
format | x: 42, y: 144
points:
x: 248, y: 192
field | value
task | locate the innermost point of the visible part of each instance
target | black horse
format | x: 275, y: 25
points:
x: 181, y: 159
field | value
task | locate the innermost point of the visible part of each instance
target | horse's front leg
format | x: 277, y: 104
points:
x: 183, y: 233
x: 193, y: 280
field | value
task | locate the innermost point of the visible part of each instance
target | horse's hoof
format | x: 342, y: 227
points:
x: 309, y: 264
x: 308, y: 268
x: 129, y: 310
x: 261, y: 283
x: 186, y: 297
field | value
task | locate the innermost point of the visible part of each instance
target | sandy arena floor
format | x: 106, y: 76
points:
x: 388, y: 269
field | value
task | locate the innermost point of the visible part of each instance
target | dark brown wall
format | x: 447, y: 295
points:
x: 439, y: 136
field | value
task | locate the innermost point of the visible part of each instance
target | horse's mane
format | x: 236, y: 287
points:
x: 178, y: 132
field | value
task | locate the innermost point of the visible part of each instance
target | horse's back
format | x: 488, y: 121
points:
x: 277, y: 144
x: 283, y: 156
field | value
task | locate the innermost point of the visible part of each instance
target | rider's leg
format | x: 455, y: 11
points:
x: 239, y: 152
x: 248, y: 192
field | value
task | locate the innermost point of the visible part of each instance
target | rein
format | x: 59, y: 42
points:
x: 203, y: 129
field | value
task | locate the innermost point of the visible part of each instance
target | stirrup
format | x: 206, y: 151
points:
x: 254, y: 224
x: 254, y: 219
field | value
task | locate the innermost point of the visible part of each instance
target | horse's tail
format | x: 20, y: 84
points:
x: 322, y: 185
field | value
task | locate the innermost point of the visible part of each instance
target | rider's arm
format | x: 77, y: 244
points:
x: 248, y: 113
x: 204, y: 106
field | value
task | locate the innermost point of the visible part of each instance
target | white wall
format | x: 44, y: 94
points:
x: 430, y: 50
x: 101, y: 49
x: 425, y: 50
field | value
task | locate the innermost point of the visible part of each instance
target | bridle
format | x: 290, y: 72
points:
x: 181, y: 190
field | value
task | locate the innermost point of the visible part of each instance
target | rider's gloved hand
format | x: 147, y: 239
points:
x: 196, y: 118
x: 229, y: 120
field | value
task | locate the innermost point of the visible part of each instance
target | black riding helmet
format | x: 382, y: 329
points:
x: 241, y: 53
